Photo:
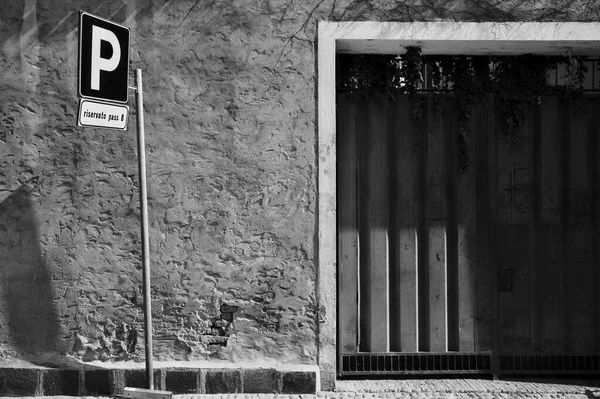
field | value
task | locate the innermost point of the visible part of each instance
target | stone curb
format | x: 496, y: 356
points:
x: 180, y: 381
x: 349, y: 395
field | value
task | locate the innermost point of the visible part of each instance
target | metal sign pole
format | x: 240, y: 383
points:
x: 144, y: 224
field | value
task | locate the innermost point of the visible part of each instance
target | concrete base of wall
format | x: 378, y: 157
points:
x: 107, y: 381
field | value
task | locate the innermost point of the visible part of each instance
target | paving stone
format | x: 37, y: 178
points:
x: 298, y: 382
x: 260, y: 381
x: 181, y: 381
x: 136, y: 378
x: 60, y: 382
x: 98, y: 382
x: 18, y: 382
x: 223, y: 381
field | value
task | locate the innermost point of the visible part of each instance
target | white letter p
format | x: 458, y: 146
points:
x: 99, y: 63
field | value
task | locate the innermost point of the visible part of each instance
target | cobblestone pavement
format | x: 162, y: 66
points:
x: 429, y: 389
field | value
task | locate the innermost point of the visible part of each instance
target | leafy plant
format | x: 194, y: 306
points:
x: 517, y: 82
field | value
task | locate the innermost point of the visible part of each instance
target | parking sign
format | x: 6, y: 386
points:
x: 103, y: 59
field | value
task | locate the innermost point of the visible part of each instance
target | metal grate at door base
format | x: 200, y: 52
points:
x: 550, y: 364
x: 415, y: 363
x: 467, y: 363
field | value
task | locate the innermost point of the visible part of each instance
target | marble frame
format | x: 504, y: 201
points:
x: 472, y: 38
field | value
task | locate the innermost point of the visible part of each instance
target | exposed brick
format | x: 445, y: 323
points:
x: 60, y: 382
x: 18, y: 382
x: 181, y: 381
x: 223, y: 381
x: 299, y: 382
x: 260, y: 381
x: 98, y: 382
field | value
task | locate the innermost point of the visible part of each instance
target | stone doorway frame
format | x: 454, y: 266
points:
x: 469, y: 38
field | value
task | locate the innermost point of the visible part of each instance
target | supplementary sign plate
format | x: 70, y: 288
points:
x: 97, y: 114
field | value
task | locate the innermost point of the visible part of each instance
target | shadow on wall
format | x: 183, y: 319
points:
x: 28, y: 320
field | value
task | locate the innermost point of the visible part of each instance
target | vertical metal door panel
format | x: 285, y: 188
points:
x: 594, y: 129
x: 549, y: 219
x: 362, y: 130
x: 483, y: 122
x: 467, y: 235
x: 422, y: 249
x: 453, y: 294
x: 494, y: 250
x: 348, y: 245
x: 564, y: 123
x: 533, y: 124
x: 505, y: 241
x: 436, y: 225
x: 521, y: 165
x: 377, y: 248
x: 580, y: 239
x: 407, y: 204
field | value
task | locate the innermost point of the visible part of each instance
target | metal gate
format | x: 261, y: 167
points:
x: 467, y: 252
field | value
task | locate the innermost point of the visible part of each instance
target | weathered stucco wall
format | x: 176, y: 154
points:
x: 231, y: 188
x: 230, y: 122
